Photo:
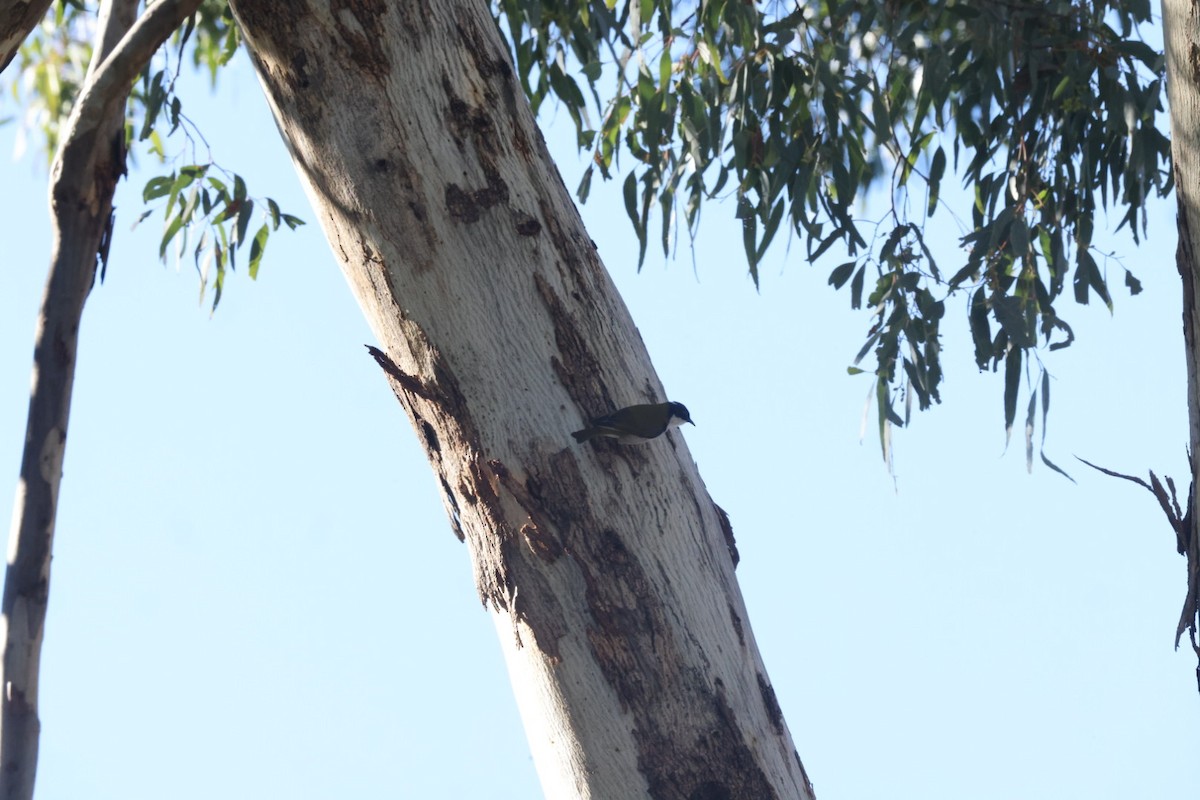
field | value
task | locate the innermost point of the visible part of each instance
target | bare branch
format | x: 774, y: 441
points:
x: 1185, y: 543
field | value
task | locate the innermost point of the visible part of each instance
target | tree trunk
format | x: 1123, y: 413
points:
x: 1181, y: 37
x: 17, y: 19
x: 83, y: 179
x: 609, y: 569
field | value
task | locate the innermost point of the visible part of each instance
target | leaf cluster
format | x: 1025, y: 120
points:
x: 50, y: 68
x: 198, y: 199
x: 201, y: 202
x: 1046, y: 110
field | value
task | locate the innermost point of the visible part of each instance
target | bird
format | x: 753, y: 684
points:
x: 636, y: 424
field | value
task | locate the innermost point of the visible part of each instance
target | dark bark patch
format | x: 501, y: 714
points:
x: 467, y: 122
x: 542, y: 544
x: 718, y: 764
x: 298, y: 77
x: 628, y: 635
x: 494, y: 192
x: 737, y: 625
x: 485, y: 490
x: 774, y: 712
x: 579, y: 265
x: 460, y: 205
x: 527, y: 225
x: 576, y: 367
x: 711, y: 790
x: 398, y: 177
x: 418, y: 211
x: 468, y: 207
x: 431, y: 439
x: 478, y: 52
x: 517, y: 581
x: 727, y: 532
x: 560, y: 491
x: 538, y: 531
x: 452, y: 507
x: 283, y: 64
x: 500, y: 84
x: 409, y: 383
x: 364, y: 40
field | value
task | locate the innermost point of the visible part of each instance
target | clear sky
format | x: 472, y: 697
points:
x: 256, y: 593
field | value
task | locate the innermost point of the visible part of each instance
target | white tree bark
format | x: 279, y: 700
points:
x: 609, y: 569
x: 1181, y: 38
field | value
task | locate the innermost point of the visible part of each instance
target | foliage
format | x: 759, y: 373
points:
x: 50, y: 66
x: 215, y: 212
x: 195, y: 198
x: 1045, y: 110
x: 796, y: 110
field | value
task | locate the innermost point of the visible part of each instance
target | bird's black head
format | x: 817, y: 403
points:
x: 679, y: 411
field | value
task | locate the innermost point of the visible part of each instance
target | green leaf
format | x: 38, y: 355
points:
x: 1011, y: 314
x: 245, y: 212
x: 585, y: 185
x: 856, y: 287
x: 257, y: 247
x: 936, y: 170
x: 1030, y: 415
x: 1012, y: 384
x: 866, y: 348
x: 1018, y: 236
x: 631, y: 205
x: 156, y: 187
x: 769, y: 231
x: 169, y: 232
x: 749, y: 236
x: 841, y: 274
x: 981, y: 330
x: 1061, y: 88
x: 885, y: 430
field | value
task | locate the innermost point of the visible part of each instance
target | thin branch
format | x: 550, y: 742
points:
x: 116, y: 73
x: 1185, y: 545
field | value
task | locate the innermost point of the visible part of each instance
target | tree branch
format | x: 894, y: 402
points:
x: 111, y: 80
x: 17, y: 19
x: 89, y: 163
x: 1185, y: 544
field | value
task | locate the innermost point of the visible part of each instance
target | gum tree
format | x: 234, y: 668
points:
x: 609, y: 569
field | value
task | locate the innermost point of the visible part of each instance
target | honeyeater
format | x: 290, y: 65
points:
x: 636, y: 424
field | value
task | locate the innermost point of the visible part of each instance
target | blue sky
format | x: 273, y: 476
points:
x: 255, y: 590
